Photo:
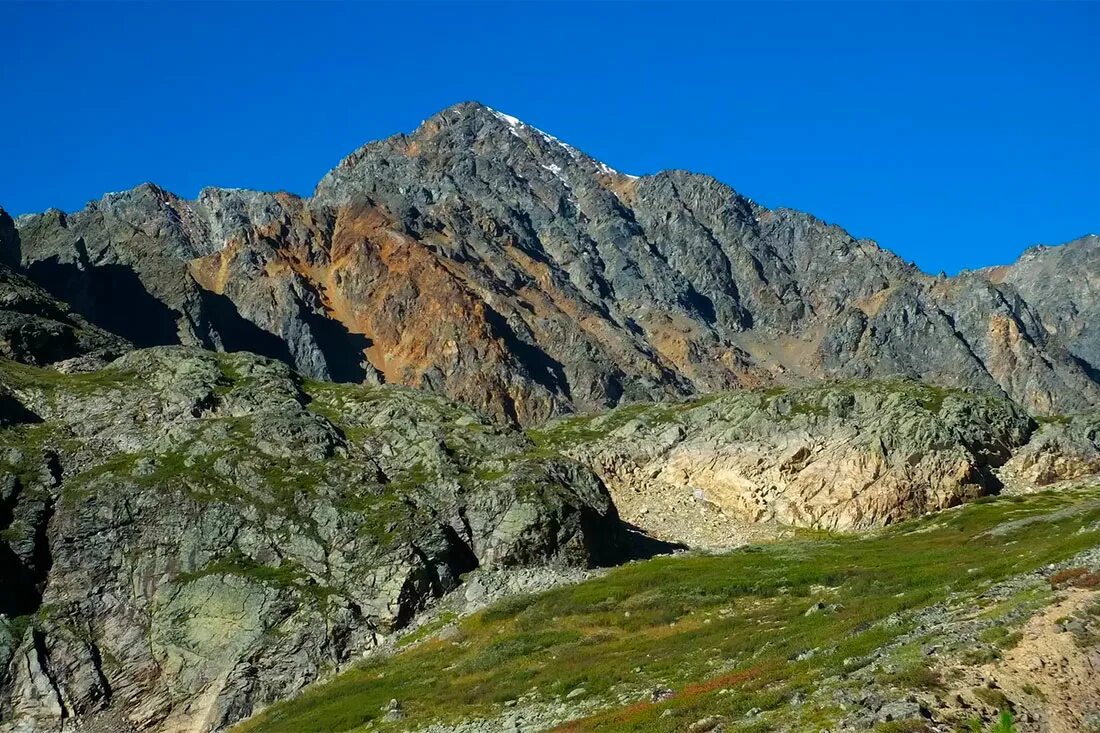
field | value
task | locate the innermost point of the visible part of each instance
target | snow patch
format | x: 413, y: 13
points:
x: 512, y: 121
x: 556, y: 170
x: 609, y: 171
x: 515, y: 124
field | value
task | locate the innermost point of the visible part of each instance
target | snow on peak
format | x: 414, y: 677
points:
x: 509, y: 119
x: 609, y: 171
x: 515, y: 124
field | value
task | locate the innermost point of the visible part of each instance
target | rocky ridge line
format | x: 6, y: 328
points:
x: 480, y: 258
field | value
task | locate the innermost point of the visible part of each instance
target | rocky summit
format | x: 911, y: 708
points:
x: 485, y: 435
x: 483, y: 259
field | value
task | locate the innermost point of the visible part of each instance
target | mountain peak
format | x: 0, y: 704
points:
x: 455, y: 140
x: 465, y: 115
x: 472, y: 110
x: 477, y: 116
x: 485, y: 259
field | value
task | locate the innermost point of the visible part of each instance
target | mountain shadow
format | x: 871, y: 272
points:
x: 342, y: 349
x: 111, y: 297
x: 237, y: 333
x: 542, y: 368
x: 640, y: 546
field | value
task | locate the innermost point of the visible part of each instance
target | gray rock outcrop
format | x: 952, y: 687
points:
x: 1062, y: 285
x: 185, y: 536
x: 1063, y: 449
x: 850, y: 456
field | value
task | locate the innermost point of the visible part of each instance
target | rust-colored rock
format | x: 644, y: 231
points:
x: 483, y: 259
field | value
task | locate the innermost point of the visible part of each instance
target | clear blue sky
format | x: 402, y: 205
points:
x: 955, y: 135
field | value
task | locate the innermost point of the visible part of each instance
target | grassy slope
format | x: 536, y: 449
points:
x: 728, y: 633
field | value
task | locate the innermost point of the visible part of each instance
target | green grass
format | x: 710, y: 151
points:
x: 1021, y: 605
x: 50, y: 381
x: 991, y: 697
x: 1053, y: 419
x: 915, y: 674
x: 287, y: 575
x: 428, y: 629
x: 1001, y: 637
x: 564, y: 433
x: 22, y: 448
x: 703, y: 624
x: 17, y: 626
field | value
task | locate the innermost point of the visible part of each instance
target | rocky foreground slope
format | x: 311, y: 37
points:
x: 932, y: 626
x: 483, y: 259
x: 187, y: 535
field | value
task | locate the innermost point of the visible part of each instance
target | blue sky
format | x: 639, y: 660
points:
x: 954, y: 134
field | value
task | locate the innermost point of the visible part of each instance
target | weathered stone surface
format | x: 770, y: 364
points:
x: 480, y: 258
x: 839, y: 457
x: 193, y: 535
x: 1062, y: 284
x: 1064, y: 448
x: 188, y: 535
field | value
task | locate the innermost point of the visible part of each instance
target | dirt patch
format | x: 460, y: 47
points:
x: 681, y: 514
x: 1051, y: 677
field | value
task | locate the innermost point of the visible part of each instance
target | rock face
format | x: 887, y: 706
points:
x: 485, y: 260
x: 38, y: 329
x: 1062, y: 284
x: 185, y: 536
x: 838, y: 457
x: 1063, y: 449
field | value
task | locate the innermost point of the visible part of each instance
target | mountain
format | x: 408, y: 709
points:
x: 224, y: 506
x: 485, y: 260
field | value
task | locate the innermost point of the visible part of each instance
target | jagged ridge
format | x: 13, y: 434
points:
x: 484, y: 259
